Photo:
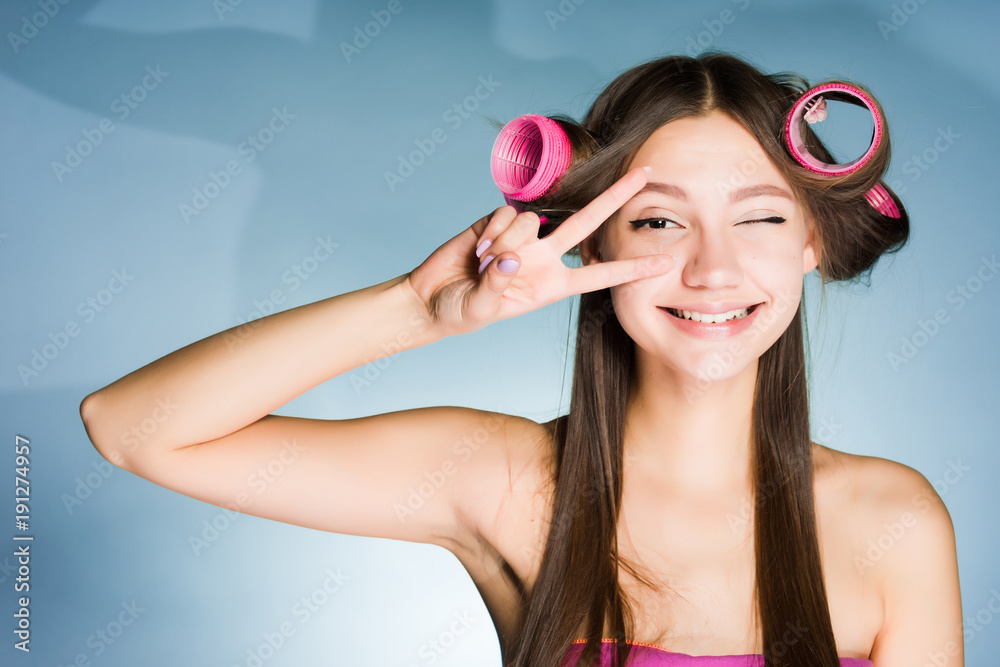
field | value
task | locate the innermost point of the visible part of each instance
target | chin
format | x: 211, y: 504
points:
x: 719, y: 365
x: 707, y: 361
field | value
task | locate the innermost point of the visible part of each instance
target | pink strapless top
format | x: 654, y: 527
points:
x: 648, y: 655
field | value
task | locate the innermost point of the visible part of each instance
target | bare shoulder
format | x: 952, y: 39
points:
x: 890, y: 521
x: 883, y: 489
x: 898, y: 525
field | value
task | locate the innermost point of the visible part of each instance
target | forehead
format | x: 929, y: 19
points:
x: 710, y: 143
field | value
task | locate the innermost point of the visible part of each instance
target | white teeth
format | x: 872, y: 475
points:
x: 712, y: 318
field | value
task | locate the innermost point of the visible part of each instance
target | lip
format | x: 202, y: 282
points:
x: 712, y: 331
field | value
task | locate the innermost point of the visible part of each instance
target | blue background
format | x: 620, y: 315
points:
x: 64, y: 233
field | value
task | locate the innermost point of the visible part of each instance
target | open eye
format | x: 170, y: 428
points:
x: 654, y: 223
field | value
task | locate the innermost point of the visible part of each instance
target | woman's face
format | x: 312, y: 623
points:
x: 738, y: 238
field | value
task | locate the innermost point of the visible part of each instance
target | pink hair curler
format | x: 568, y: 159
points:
x: 529, y: 155
x: 883, y: 203
x: 811, y: 107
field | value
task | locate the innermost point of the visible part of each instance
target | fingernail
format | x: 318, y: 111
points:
x: 486, y: 260
x: 508, y: 265
x: 649, y: 170
x: 483, y: 246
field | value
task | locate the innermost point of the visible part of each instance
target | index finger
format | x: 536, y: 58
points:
x: 578, y: 226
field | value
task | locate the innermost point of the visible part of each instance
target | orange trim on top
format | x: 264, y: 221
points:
x: 636, y: 643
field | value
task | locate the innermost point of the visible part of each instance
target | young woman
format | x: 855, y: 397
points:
x: 695, y: 219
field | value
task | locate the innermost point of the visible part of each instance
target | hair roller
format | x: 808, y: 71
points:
x: 532, y: 152
x: 529, y: 155
x: 811, y: 108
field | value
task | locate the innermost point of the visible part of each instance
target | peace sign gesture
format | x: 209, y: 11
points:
x: 460, y: 299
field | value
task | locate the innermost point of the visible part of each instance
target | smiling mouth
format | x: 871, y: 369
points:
x: 711, y: 318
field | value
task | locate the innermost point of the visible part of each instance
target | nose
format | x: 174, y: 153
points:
x: 712, y: 262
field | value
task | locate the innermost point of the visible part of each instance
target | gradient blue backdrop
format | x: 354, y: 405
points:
x: 105, y: 538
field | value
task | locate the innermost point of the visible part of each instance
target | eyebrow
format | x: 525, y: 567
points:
x: 748, y: 192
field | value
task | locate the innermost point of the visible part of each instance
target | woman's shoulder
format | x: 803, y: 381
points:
x: 891, y: 510
x: 901, y: 546
x: 878, y: 484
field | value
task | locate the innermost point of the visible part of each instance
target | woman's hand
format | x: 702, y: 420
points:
x: 460, y: 299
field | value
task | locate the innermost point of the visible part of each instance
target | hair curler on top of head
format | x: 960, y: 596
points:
x: 811, y: 108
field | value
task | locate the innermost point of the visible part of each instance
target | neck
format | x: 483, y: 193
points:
x: 693, y: 436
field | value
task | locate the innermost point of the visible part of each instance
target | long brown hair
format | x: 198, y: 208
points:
x: 578, y: 581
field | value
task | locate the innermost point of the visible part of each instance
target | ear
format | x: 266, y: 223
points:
x: 811, y: 252
x: 589, y: 251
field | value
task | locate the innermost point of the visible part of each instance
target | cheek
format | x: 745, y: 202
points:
x: 780, y: 278
x: 778, y: 274
x: 625, y: 296
x: 633, y: 305
x: 774, y: 259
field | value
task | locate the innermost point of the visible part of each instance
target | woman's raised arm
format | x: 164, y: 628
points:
x: 198, y: 420
x: 220, y: 384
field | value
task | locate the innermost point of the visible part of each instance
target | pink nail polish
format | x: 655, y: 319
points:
x: 508, y: 265
x: 485, y: 262
x: 482, y: 247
